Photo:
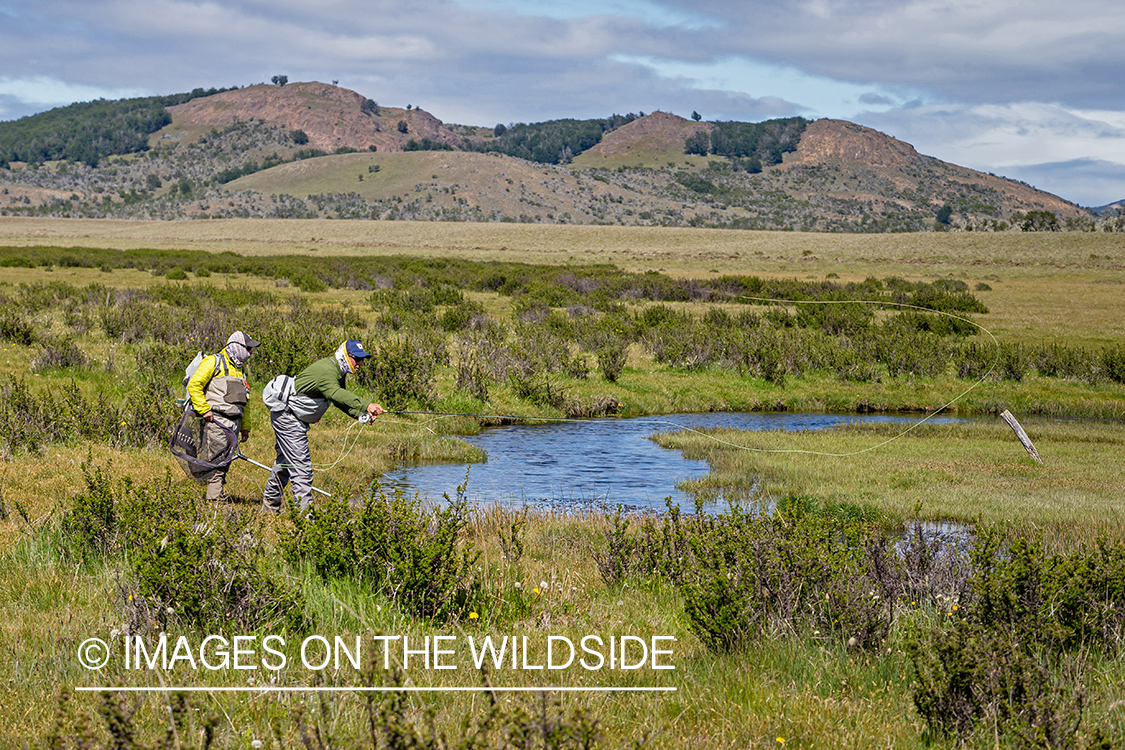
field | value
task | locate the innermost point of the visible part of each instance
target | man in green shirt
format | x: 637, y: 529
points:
x: 302, y: 402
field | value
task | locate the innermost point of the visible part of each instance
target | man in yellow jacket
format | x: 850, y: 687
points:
x: 218, y: 390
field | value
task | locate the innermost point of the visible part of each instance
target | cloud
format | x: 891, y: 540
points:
x: 1020, y: 140
x: 952, y: 50
x: 961, y: 50
x: 991, y: 85
x: 875, y: 99
x: 23, y: 96
x: 1088, y: 182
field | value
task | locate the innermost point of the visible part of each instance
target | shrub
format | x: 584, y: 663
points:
x: 796, y: 571
x: 402, y: 369
x: 1015, y: 361
x: 1113, y: 363
x: 289, y: 346
x: 921, y: 566
x: 845, y: 318
x: 416, y: 556
x: 916, y: 354
x: 619, y: 560
x: 91, y: 521
x: 973, y: 361
x: 457, y: 317
x: 59, y: 354
x: 803, y: 570
x: 611, y: 359
x: 392, y: 721
x: 190, y: 562
x: 28, y: 419
x: 1014, y: 660
x: 688, y: 343
x: 1057, y: 361
x: 510, y: 531
x: 1059, y: 601
x: 15, y: 326
x: 969, y: 678
x: 539, y: 351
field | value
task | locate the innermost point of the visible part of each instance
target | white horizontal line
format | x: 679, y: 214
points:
x: 322, y: 689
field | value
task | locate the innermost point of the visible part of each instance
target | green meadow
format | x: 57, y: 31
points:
x: 918, y: 585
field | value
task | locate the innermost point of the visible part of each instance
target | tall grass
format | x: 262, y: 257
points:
x: 67, y: 571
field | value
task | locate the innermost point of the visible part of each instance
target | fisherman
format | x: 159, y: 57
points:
x: 296, y: 404
x: 217, y: 390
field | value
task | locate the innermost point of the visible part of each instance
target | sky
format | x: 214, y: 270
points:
x: 1033, y: 90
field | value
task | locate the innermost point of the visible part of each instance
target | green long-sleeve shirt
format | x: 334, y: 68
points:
x: 324, y: 379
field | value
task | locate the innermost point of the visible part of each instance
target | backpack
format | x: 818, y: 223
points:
x: 279, y: 395
x: 183, y: 403
x: 276, y: 393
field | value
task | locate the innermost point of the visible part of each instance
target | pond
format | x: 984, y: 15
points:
x: 594, y: 463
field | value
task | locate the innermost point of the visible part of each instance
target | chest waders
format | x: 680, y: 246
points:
x: 204, y: 448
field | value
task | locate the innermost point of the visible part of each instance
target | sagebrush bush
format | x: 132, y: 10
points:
x: 803, y: 569
x: 15, y: 326
x: 189, y: 562
x: 402, y: 369
x: 1011, y: 656
x: 30, y: 419
x: 58, y: 354
x: 417, y: 556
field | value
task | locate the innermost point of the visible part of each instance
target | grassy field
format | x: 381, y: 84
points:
x: 798, y: 682
x: 1045, y: 286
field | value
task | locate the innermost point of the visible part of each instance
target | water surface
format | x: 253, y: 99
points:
x: 594, y: 463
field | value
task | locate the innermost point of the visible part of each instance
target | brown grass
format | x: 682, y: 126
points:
x: 1062, y: 287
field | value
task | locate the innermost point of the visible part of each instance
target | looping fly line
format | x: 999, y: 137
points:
x: 346, y: 449
x: 911, y: 428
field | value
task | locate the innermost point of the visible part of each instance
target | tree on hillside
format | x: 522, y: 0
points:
x: 85, y: 132
x: 280, y: 80
x: 1037, y: 221
x: 554, y: 141
x: 765, y: 142
x: 698, y: 143
x: 696, y: 116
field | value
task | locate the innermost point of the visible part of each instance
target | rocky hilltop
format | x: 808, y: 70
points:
x: 330, y: 116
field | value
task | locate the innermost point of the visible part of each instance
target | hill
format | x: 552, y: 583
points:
x: 317, y: 150
x: 331, y: 117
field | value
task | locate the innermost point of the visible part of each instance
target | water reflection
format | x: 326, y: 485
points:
x: 593, y: 464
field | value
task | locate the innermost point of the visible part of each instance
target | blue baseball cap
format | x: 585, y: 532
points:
x: 355, y: 349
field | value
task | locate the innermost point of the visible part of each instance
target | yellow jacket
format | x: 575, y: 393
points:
x: 197, y: 387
